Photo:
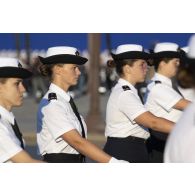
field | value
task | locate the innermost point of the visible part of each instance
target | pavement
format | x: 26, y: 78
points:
x: 26, y: 118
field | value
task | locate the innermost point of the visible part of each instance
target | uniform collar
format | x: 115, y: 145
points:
x: 5, y: 114
x: 125, y: 82
x: 60, y: 91
x: 162, y: 78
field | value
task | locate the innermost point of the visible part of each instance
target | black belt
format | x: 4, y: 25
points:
x: 63, y: 158
x: 132, y: 138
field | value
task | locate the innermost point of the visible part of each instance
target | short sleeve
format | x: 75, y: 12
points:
x: 57, y: 119
x: 130, y: 105
x: 8, y: 148
x: 165, y: 96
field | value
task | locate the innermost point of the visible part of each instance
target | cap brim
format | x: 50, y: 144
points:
x: 63, y: 58
x: 14, y: 72
x: 131, y: 55
x: 167, y: 54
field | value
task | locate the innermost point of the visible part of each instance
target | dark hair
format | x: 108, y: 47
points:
x: 3, y: 80
x: 47, y: 70
x: 156, y: 62
x: 118, y: 64
x: 186, y: 76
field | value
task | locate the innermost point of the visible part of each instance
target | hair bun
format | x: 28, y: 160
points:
x: 111, y: 64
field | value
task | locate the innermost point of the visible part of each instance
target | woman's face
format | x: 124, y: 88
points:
x: 69, y: 74
x: 139, y: 70
x: 172, y: 67
x: 11, y: 93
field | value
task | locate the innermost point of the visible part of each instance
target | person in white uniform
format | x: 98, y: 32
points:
x: 162, y: 97
x: 12, y: 147
x: 62, y: 132
x: 180, y: 146
x: 127, y: 119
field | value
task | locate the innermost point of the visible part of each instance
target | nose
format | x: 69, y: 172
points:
x: 22, y: 88
x: 78, y: 71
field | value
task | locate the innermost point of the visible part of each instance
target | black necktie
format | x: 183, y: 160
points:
x: 175, y: 87
x: 74, y: 108
x: 18, y: 133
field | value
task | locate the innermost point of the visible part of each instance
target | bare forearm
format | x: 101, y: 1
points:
x: 91, y: 151
x: 162, y: 125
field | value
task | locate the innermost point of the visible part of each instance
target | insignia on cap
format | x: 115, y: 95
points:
x: 126, y: 87
x: 52, y: 96
x: 19, y: 65
x: 77, y: 53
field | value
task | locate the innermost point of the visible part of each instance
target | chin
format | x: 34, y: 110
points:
x: 18, y: 104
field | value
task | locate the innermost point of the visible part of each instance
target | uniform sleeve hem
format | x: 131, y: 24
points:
x: 12, y: 153
x: 59, y: 134
x: 138, y: 113
x: 172, y: 103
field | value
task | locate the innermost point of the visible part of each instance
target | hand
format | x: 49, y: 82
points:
x: 114, y: 160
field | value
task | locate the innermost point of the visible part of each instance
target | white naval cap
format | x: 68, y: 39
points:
x: 8, y: 62
x: 61, y: 50
x: 185, y: 49
x: 166, y: 46
x: 63, y: 54
x: 128, y: 48
x: 11, y: 67
x: 191, y: 44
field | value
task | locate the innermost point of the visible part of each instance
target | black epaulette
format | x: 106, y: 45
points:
x: 157, y: 82
x: 52, y: 96
x: 126, y: 87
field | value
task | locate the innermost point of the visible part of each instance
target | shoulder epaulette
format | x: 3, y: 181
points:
x: 157, y: 82
x: 52, y: 96
x: 126, y: 87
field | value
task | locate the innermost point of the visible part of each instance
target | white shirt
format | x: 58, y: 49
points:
x: 9, y: 143
x: 180, y: 146
x: 122, y: 108
x: 189, y: 94
x: 56, y: 117
x: 160, y: 98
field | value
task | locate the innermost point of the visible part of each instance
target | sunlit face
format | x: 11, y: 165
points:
x: 139, y: 70
x: 70, y: 74
x: 172, y: 67
x: 11, y: 93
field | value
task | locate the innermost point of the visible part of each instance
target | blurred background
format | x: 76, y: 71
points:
x: 96, y: 80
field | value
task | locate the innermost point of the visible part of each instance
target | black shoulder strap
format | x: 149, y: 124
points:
x: 126, y: 87
x: 52, y: 96
x: 157, y: 82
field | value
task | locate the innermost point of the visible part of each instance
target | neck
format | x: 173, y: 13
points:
x: 163, y: 73
x: 130, y: 80
x: 61, y: 85
x: 5, y: 105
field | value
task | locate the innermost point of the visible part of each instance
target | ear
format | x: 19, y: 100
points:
x: 57, y: 69
x: 127, y: 69
x: 162, y: 64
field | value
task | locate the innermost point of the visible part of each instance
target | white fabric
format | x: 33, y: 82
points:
x: 122, y: 108
x: 188, y: 94
x: 160, y: 47
x: 160, y: 98
x: 9, y: 143
x: 114, y: 160
x: 128, y: 47
x: 186, y: 49
x: 61, y: 50
x: 191, y: 51
x: 55, y: 118
x: 8, y: 62
x: 180, y: 146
